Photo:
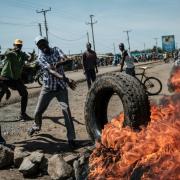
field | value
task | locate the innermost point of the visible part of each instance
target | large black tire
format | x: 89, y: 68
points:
x: 152, y: 82
x: 130, y: 91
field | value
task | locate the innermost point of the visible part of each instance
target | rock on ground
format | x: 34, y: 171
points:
x: 30, y: 164
x: 58, y: 168
x: 6, y: 156
x: 19, y: 155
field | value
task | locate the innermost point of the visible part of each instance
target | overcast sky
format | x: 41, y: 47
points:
x: 147, y: 19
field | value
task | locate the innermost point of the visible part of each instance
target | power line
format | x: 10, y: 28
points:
x: 33, y: 5
x: 45, y: 21
x: 21, y: 4
x: 28, y: 4
x: 105, y: 46
x: 16, y: 24
x: 82, y: 37
x: 127, y: 32
x: 14, y: 18
x: 92, y: 23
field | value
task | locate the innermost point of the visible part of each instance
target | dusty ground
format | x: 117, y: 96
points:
x: 52, y: 138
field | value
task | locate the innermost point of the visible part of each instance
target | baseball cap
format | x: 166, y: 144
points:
x: 39, y: 38
x: 18, y: 41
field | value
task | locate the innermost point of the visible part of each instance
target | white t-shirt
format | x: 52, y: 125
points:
x: 129, y: 61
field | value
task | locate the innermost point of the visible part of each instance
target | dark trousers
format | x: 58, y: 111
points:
x: 22, y: 90
x: 90, y: 76
x: 130, y: 71
x: 3, y: 90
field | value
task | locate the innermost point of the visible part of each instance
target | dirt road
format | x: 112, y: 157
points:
x: 52, y: 138
x: 53, y: 118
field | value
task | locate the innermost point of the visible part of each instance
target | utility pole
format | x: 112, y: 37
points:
x: 87, y: 37
x: 127, y: 32
x: 144, y: 47
x: 45, y: 21
x: 40, y: 30
x: 114, y: 49
x: 92, y: 23
x: 156, y: 39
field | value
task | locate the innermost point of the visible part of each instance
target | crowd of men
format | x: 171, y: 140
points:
x: 55, y: 82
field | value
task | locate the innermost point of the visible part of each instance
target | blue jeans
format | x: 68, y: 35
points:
x: 62, y: 96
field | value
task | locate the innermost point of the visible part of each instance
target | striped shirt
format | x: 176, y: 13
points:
x: 50, y: 81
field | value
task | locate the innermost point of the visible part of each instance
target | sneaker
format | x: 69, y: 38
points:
x: 24, y: 117
x: 32, y: 130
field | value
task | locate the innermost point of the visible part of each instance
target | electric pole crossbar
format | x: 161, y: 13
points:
x: 92, y: 23
x: 127, y: 32
x: 44, y: 11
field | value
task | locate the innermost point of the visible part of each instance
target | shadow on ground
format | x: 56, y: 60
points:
x: 57, y: 120
x: 49, y: 144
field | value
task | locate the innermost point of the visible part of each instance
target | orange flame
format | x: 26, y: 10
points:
x: 152, y: 153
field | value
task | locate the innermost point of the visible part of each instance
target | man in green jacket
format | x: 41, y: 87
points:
x: 11, y: 72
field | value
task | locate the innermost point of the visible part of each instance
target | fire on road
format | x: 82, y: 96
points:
x: 152, y: 153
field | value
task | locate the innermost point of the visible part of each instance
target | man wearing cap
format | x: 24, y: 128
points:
x: 127, y: 60
x: 11, y: 72
x: 54, y: 85
x: 90, y: 64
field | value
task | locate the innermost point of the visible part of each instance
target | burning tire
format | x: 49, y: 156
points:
x: 130, y: 91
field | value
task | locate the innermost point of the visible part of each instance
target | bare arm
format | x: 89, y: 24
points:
x: 71, y: 83
x: 63, y: 61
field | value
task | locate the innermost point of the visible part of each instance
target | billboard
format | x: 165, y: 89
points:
x: 168, y: 43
